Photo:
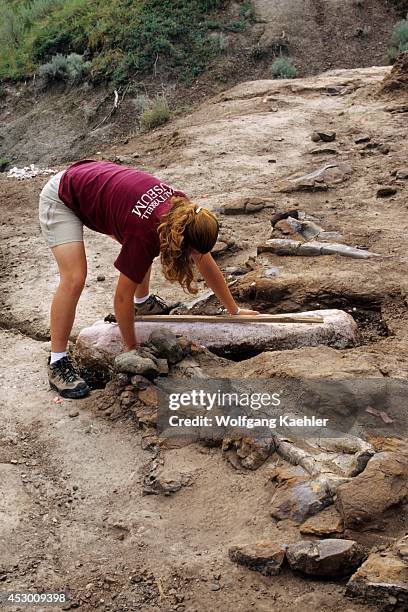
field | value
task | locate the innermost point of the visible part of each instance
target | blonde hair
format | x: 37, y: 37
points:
x: 186, y: 226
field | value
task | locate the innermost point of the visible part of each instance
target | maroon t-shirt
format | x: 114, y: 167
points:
x: 121, y: 202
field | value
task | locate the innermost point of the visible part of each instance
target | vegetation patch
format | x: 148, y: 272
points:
x: 399, y: 40
x: 283, y: 68
x: 114, y: 38
x: 155, y: 113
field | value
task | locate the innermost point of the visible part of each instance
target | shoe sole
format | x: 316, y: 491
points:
x: 70, y: 394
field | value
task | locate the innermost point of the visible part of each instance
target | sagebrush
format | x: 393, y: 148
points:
x: 283, y: 68
x: 156, y: 113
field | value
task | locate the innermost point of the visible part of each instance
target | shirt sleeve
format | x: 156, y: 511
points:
x: 135, y: 258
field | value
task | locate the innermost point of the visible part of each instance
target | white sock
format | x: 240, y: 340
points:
x: 141, y: 300
x: 56, y: 356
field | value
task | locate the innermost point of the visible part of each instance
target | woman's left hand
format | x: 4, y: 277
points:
x: 244, y: 311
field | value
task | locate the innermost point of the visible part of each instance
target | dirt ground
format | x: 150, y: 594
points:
x: 72, y: 511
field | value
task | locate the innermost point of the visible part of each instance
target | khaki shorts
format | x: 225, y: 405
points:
x: 59, y: 224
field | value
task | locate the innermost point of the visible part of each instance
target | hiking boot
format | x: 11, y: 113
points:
x: 154, y: 305
x: 64, y: 379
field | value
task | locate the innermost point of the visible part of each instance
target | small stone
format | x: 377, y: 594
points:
x: 363, y: 139
x: 386, y: 192
x: 333, y: 558
x: 100, y: 278
x: 162, y: 367
x: 384, y: 149
x: 253, y: 208
x: 149, y: 396
x: 219, y: 248
x: 324, y: 135
x: 215, y: 586
x: 132, y: 363
x: 324, y: 151
x: 402, y: 174
x: 266, y: 558
x: 73, y: 413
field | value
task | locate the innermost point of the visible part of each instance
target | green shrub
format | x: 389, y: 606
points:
x: 399, y: 41
x: 72, y: 68
x: 283, y: 68
x: 157, y: 113
x: 400, y: 33
x: 121, y: 37
x: 4, y: 162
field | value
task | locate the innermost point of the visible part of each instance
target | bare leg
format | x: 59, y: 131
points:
x: 143, y: 288
x: 72, y: 266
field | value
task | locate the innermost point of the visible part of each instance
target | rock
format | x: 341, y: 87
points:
x: 235, y: 270
x: 312, y: 248
x: 321, y: 179
x: 219, y: 248
x: 384, y: 483
x: 382, y: 576
x: 402, y: 174
x: 384, y: 149
x: 323, y: 135
x: 132, y: 363
x: 299, y: 228
x: 100, y: 278
x: 338, y: 329
x: 363, y: 139
x: 297, y: 496
x: 264, y: 557
x: 149, y: 396
x: 328, y: 522
x: 246, y: 205
x: 401, y: 548
x: 166, y: 481
x: 324, y: 151
x: 331, y: 558
x: 251, y: 452
x: 166, y: 343
x: 73, y: 413
x: 386, y: 192
x: 279, y: 216
x: 162, y: 367
x: 398, y: 78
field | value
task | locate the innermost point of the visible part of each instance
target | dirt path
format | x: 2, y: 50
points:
x: 72, y: 511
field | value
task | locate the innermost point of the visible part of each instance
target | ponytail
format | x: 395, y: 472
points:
x: 186, y: 226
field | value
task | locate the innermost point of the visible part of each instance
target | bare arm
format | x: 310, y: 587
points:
x: 124, y: 310
x: 215, y: 280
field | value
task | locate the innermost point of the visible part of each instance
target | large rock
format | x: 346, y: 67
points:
x: 265, y: 557
x: 312, y: 248
x: 384, y: 483
x: 167, y: 344
x: 331, y: 558
x: 321, y: 179
x: 297, y: 496
x: 102, y: 341
x: 383, y: 576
